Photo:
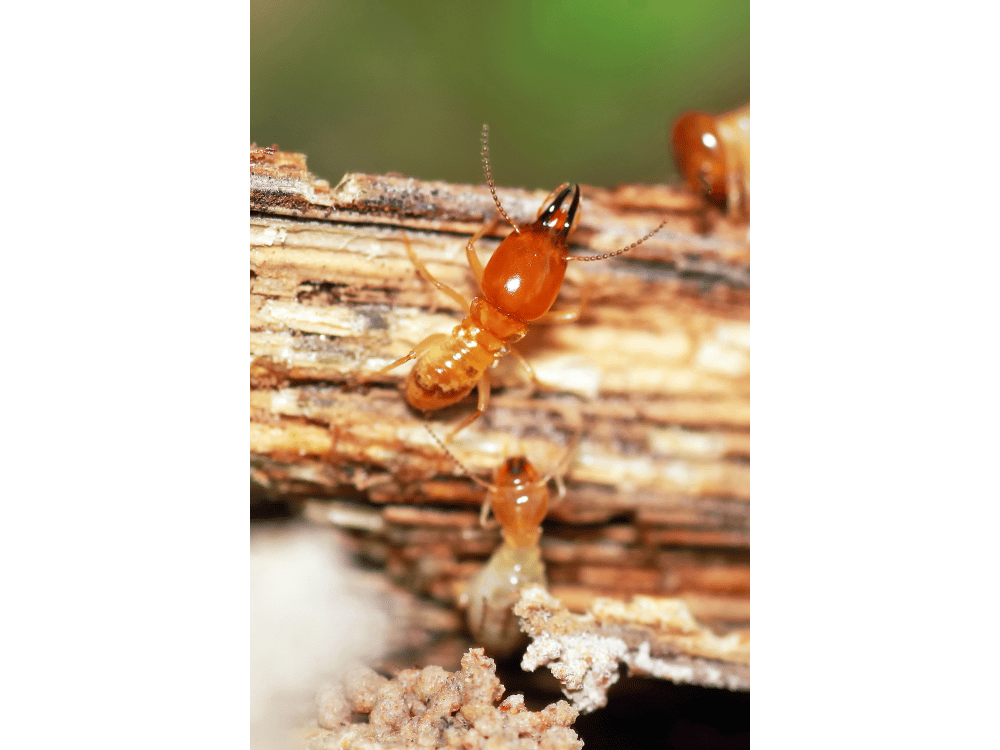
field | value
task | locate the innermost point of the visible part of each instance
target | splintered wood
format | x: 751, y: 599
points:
x: 652, y: 636
x: 658, y: 489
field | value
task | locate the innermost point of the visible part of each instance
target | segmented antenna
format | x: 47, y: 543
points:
x: 454, y: 458
x: 623, y: 250
x: 489, y: 176
x: 484, y: 512
x: 556, y: 473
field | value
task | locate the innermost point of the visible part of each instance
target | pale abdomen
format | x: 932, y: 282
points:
x: 496, y: 589
x: 447, y: 373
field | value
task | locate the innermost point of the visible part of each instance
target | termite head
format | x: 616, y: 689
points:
x: 518, y: 497
x: 526, y: 271
x: 520, y: 500
x: 525, y: 274
x: 700, y: 154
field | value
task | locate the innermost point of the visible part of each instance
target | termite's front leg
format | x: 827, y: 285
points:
x: 568, y: 316
x: 470, y: 251
x: 462, y: 302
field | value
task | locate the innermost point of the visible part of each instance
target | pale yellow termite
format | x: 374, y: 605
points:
x: 520, y: 500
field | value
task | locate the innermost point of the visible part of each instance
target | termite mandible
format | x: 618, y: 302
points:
x: 519, y: 499
x: 519, y: 284
x: 713, y: 155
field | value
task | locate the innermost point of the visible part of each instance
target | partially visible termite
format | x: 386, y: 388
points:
x: 713, y: 155
x: 520, y: 282
x: 519, y: 499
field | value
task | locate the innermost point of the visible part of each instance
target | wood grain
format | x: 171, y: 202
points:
x: 658, y: 489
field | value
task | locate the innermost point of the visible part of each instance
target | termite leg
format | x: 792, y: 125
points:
x: 470, y: 251
x: 574, y: 417
x: 423, y: 346
x: 484, y: 511
x: 734, y: 194
x: 560, y: 492
x: 484, y: 400
x: 567, y: 316
x: 463, y: 303
x: 536, y: 384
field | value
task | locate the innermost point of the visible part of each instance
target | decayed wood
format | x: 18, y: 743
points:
x: 657, y: 492
x: 653, y: 636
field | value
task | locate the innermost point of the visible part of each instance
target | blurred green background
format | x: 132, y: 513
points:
x: 575, y: 90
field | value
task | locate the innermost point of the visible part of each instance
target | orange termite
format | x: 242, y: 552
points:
x: 713, y: 155
x: 519, y: 284
x: 519, y: 499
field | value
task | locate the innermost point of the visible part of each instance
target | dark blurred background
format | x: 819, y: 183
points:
x: 573, y: 90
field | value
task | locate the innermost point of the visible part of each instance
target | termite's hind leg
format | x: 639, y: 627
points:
x: 462, y: 302
x: 484, y: 400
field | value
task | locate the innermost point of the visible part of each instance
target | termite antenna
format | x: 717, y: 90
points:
x: 489, y: 176
x: 462, y: 466
x: 484, y: 512
x: 623, y: 250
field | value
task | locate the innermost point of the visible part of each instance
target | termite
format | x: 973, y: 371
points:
x: 519, y: 499
x: 519, y: 284
x: 713, y: 155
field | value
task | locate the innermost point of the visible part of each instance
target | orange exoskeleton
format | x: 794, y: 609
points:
x: 519, y: 283
x: 713, y: 155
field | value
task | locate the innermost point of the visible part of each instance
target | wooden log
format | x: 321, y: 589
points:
x: 653, y: 636
x: 658, y: 489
